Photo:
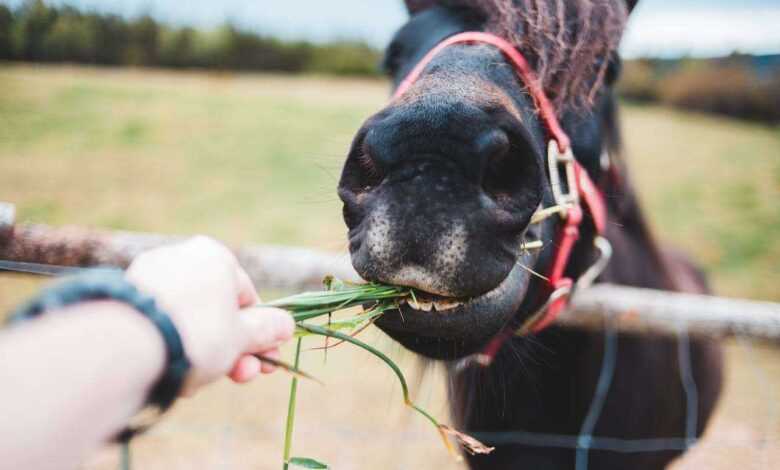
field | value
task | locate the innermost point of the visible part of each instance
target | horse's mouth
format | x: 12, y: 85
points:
x: 448, y: 327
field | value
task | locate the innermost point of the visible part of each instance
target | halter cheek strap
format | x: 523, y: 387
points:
x: 580, y: 187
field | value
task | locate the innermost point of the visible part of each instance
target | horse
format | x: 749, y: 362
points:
x: 440, y: 189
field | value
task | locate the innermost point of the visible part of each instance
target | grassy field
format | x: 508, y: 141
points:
x: 712, y: 187
x: 256, y: 159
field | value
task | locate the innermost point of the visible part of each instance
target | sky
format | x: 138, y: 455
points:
x: 657, y: 27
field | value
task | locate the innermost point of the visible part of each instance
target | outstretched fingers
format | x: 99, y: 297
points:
x: 265, y: 330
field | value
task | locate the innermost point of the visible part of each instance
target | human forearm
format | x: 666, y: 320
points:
x: 71, y: 380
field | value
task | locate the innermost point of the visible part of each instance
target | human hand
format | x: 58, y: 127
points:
x: 209, y: 297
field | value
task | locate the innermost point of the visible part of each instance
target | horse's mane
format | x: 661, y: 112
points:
x: 568, y: 42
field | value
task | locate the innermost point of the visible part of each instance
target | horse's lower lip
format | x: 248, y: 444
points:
x: 483, y: 315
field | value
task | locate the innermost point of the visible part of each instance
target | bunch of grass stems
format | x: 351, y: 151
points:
x: 374, y: 299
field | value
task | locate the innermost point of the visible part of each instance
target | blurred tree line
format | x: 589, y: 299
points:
x: 741, y: 86
x: 37, y: 32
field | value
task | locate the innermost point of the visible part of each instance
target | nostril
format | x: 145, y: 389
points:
x: 491, y: 149
x: 361, y: 172
x: 369, y: 147
x: 369, y: 167
x: 492, y: 145
x: 510, y: 173
x: 352, y: 215
x: 371, y: 159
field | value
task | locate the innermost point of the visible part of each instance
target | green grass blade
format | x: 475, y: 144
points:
x: 288, y: 429
x: 305, y: 462
x: 441, y: 429
x: 311, y: 305
x: 319, y: 330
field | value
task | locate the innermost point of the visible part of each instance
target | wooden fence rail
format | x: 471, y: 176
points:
x: 629, y: 309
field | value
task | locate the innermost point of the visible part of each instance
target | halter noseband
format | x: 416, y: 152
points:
x: 559, y: 154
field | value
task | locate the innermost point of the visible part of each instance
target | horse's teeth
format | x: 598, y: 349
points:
x: 442, y: 305
x: 428, y: 305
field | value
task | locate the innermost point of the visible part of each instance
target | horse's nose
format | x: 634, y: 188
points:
x: 462, y: 137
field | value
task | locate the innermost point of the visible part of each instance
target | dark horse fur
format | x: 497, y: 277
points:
x: 438, y: 192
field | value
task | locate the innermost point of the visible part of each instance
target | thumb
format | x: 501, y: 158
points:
x: 265, y: 328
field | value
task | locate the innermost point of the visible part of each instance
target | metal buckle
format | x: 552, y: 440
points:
x: 604, y: 248
x: 554, y: 158
x: 531, y: 322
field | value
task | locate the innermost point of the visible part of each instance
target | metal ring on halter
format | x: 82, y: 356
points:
x: 555, y: 158
x: 604, y: 248
x: 485, y: 360
x: 605, y: 160
x: 529, y: 323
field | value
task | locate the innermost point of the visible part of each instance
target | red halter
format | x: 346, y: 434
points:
x: 580, y: 185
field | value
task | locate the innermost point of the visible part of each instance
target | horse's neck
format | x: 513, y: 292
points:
x: 637, y: 258
x: 528, y: 386
x: 546, y: 384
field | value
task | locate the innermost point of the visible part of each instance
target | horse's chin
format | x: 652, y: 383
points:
x: 448, y: 328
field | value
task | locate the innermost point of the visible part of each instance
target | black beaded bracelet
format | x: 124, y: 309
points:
x: 109, y: 284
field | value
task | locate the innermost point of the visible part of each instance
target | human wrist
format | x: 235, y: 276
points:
x: 141, y: 343
x: 112, y: 286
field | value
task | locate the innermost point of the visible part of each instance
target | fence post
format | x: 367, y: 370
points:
x: 7, y: 219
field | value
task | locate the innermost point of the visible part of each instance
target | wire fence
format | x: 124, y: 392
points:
x: 586, y: 441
